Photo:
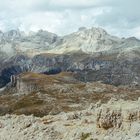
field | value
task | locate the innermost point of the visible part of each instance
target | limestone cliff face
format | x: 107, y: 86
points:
x: 25, y: 86
x: 87, y: 68
x: 22, y: 86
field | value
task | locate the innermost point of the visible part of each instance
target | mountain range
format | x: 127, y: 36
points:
x: 91, y: 54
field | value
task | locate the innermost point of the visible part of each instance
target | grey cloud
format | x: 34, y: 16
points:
x: 120, y: 17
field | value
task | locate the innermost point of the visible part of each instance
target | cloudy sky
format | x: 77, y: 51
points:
x: 119, y: 17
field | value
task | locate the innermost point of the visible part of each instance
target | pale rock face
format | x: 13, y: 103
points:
x: 95, y: 40
x: 87, y: 40
x: 16, y: 42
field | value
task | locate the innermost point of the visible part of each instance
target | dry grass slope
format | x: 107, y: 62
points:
x: 51, y: 94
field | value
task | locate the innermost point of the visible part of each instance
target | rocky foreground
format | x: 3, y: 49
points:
x: 116, y: 120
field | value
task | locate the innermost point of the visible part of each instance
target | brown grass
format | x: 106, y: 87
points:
x: 50, y: 100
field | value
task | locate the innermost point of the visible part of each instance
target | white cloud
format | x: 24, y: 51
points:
x: 120, y: 17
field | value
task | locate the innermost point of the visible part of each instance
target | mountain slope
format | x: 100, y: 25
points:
x: 16, y: 42
x: 92, y: 54
x: 94, y: 40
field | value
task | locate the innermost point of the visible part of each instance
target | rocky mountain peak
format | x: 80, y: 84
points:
x: 98, y: 31
x: 92, y: 31
x: 88, y: 40
x: 50, y: 37
x: 130, y: 39
x: 95, y: 40
x: 13, y: 34
x: 82, y: 28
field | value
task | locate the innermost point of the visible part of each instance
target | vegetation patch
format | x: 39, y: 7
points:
x: 84, y: 136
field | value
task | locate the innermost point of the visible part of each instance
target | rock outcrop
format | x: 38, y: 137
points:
x: 118, y: 123
x: 118, y: 114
